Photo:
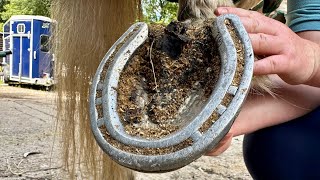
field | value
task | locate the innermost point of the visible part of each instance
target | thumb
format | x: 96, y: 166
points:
x: 223, y: 145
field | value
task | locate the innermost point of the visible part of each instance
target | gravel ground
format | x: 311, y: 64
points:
x: 27, y: 126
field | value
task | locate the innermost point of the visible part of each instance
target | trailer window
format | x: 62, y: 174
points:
x: 45, y: 45
x: 21, y: 28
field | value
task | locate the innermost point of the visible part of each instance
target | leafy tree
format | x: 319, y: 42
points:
x: 41, y: 7
x: 159, y: 11
x: 2, y: 4
x: 26, y: 7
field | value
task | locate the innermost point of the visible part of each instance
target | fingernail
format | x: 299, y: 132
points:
x: 222, y: 10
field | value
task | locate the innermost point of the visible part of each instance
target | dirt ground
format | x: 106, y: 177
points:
x: 27, y: 126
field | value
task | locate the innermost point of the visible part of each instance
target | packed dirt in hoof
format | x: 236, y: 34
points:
x: 173, y: 73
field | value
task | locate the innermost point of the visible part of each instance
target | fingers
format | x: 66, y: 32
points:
x: 260, y: 25
x: 275, y: 64
x: 254, y: 22
x: 230, y: 10
x: 265, y: 37
x: 264, y: 44
x: 224, y: 144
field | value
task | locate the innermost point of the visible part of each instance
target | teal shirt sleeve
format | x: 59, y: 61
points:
x: 304, y: 15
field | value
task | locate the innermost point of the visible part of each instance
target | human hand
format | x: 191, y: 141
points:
x: 294, y: 59
x: 223, y: 145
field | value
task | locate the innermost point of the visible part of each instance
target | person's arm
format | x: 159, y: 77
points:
x: 303, y: 18
x: 295, y: 57
x: 264, y: 111
x: 313, y: 36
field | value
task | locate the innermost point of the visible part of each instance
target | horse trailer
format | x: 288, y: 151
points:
x: 31, y: 62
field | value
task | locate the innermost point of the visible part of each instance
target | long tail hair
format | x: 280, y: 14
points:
x: 84, y: 31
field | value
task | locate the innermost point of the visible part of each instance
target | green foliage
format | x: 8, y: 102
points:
x: 159, y: 11
x: 24, y: 7
x: 2, y: 4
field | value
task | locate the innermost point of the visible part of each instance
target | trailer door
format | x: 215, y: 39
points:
x: 21, y: 57
x: 21, y: 50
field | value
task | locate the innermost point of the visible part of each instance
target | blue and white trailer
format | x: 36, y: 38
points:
x: 31, y: 62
